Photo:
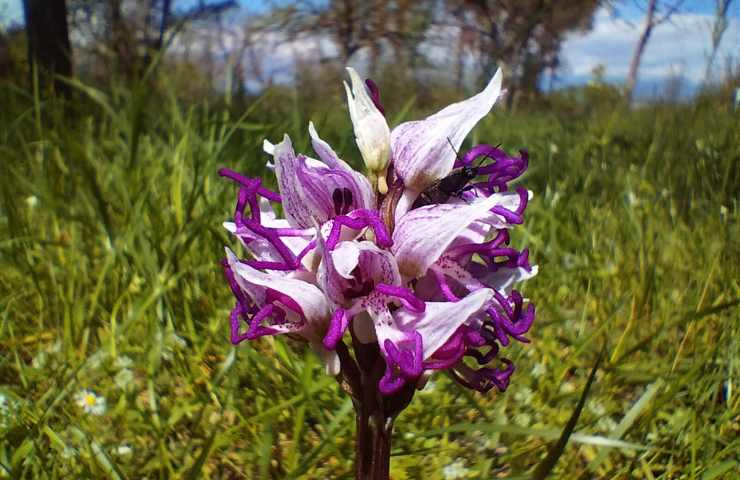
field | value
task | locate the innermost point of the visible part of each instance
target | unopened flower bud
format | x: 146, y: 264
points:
x: 371, y: 130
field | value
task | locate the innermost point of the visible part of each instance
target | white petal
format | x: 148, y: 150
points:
x: 424, y: 234
x: 425, y: 151
x: 441, y: 319
x: 312, y: 301
x: 371, y: 129
x: 345, y: 258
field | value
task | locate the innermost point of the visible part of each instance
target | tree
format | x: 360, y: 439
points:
x: 523, y: 36
x: 354, y: 25
x: 718, y: 30
x: 49, y: 51
x: 125, y: 36
x: 650, y: 22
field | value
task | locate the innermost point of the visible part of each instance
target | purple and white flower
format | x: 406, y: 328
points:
x: 433, y: 285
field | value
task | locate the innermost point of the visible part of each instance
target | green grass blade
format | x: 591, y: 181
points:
x: 557, y: 449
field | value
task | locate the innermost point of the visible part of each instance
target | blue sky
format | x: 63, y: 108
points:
x: 678, y: 47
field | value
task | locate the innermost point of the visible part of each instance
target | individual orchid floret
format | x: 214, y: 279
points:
x: 315, y: 191
x: 424, y: 151
x: 371, y: 129
x: 271, y: 303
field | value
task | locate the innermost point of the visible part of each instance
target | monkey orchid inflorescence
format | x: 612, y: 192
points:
x: 411, y: 264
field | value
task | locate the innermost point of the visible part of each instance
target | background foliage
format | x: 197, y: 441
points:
x: 111, y: 237
x: 110, y: 242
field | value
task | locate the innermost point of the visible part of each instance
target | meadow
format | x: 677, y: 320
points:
x: 110, y: 284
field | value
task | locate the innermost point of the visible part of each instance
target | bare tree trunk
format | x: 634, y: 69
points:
x: 647, y: 29
x: 49, y: 50
x: 718, y: 30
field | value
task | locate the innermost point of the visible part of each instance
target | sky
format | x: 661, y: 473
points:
x: 676, y: 48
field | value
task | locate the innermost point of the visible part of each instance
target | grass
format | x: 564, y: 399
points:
x: 110, y: 239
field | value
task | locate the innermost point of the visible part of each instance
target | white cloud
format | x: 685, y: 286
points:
x: 679, y: 46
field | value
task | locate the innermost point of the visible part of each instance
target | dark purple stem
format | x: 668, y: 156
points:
x: 375, y: 412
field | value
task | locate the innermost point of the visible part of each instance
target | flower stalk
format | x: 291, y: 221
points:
x: 375, y: 413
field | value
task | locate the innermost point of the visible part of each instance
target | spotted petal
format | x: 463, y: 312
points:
x: 361, y: 189
x: 424, y: 234
x: 352, y: 269
x: 440, y: 320
x: 424, y: 151
x: 308, y: 309
x: 314, y: 191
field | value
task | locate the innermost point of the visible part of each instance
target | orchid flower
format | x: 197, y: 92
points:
x: 414, y: 286
x: 434, y: 290
x: 415, y: 281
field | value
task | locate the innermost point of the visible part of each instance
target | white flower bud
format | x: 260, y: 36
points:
x: 371, y: 130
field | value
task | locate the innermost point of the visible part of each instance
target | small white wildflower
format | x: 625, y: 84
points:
x: 538, y: 370
x: 124, y: 450
x: 455, y: 470
x: 90, y: 403
x: 32, y: 201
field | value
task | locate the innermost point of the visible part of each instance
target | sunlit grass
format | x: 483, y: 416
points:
x: 110, y: 239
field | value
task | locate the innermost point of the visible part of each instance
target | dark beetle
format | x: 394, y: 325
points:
x: 453, y: 185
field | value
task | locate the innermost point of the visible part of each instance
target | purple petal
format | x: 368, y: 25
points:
x: 360, y: 187
x: 312, y: 190
x: 337, y: 327
x: 484, y: 379
x: 351, y: 270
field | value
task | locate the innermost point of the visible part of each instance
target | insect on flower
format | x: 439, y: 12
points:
x: 453, y: 185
